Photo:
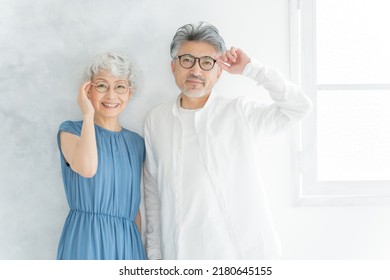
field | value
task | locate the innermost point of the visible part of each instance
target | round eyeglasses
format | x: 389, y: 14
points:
x: 188, y: 61
x: 103, y: 87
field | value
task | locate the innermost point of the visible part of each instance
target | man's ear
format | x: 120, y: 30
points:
x: 219, y: 72
x: 173, y: 66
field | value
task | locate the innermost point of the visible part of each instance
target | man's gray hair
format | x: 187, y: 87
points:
x: 113, y: 63
x: 201, y: 32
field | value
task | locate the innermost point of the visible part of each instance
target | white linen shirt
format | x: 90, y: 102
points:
x: 229, y: 133
x: 194, y: 233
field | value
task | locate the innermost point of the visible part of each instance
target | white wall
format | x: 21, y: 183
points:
x: 44, y: 47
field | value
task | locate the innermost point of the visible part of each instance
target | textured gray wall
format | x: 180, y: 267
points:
x: 44, y: 46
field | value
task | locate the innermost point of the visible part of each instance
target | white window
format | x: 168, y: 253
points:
x: 340, y: 55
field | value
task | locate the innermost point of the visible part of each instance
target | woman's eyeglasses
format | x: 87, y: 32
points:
x: 103, y: 87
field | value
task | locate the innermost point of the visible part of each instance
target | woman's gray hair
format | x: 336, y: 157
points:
x: 201, y: 32
x: 113, y: 63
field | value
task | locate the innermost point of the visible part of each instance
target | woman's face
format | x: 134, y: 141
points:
x: 109, y: 95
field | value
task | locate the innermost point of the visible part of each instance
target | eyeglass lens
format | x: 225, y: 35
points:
x: 103, y: 87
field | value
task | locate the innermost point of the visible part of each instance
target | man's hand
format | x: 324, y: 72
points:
x: 233, y: 61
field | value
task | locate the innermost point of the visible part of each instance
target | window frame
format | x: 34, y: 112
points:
x: 307, y: 190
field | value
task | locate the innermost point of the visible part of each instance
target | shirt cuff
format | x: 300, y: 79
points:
x: 253, y: 69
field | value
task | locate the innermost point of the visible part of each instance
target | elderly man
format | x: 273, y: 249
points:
x: 203, y: 194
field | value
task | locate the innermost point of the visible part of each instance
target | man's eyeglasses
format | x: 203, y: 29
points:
x: 103, y: 87
x: 188, y: 61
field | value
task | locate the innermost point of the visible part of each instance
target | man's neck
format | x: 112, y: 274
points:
x: 193, y: 103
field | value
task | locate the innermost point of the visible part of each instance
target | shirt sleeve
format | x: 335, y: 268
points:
x: 71, y: 127
x: 152, y: 201
x: 290, y: 104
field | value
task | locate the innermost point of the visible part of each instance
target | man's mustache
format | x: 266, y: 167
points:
x: 192, y: 77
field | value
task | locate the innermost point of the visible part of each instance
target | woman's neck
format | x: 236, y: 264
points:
x: 108, y: 123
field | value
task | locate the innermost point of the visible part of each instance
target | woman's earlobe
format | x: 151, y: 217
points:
x: 130, y: 95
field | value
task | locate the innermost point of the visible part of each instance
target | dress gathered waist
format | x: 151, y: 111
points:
x: 100, y: 214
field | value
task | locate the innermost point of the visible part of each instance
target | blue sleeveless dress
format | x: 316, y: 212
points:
x: 101, y: 221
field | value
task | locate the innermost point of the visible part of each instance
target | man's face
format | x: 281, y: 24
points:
x: 196, y: 82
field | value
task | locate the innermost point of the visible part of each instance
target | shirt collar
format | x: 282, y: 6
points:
x: 176, y: 106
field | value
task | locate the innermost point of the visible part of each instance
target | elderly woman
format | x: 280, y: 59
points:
x: 101, y: 168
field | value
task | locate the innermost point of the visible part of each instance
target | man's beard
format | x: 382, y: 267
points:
x: 194, y: 93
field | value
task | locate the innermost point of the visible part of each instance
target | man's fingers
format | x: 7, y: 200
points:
x: 231, y: 56
x: 225, y: 66
x: 222, y: 57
